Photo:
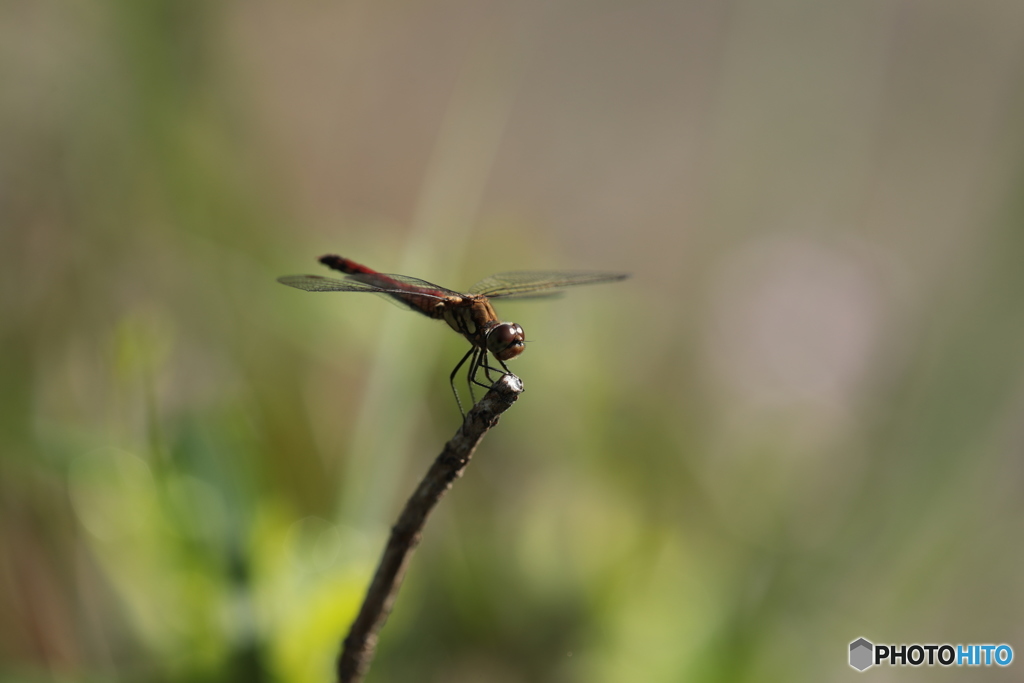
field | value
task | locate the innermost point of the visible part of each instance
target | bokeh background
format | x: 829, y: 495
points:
x: 800, y: 422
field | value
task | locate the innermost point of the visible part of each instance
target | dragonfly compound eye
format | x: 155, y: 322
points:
x: 505, y: 341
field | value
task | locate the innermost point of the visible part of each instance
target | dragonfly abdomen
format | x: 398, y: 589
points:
x: 410, y: 296
x: 345, y: 265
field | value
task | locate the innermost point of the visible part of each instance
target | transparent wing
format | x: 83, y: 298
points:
x: 535, y: 284
x: 402, y: 283
x: 318, y: 283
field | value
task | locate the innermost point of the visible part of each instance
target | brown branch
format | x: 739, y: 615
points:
x: 361, y: 642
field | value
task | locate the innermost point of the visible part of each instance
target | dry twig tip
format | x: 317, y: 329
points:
x: 361, y: 642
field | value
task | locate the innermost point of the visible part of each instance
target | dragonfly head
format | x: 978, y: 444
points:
x: 505, y: 341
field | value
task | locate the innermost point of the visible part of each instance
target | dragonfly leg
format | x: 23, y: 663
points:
x: 471, y: 373
x: 451, y: 379
x: 487, y: 367
x: 479, y: 362
x: 500, y: 372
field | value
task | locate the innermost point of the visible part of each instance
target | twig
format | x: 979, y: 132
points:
x: 361, y: 642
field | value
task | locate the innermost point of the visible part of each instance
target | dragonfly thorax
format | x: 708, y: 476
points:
x: 505, y: 341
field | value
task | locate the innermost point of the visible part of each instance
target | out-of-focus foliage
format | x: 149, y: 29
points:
x: 799, y: 423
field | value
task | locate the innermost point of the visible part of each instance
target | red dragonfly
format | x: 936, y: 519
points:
x: 469, y: 314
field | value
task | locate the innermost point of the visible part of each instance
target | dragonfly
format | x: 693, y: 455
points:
x: 470, y: 313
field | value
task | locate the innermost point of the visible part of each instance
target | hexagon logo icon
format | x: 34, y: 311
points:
x: 861, y: 652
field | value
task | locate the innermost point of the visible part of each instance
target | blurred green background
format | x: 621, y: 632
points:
x: 799, y: 423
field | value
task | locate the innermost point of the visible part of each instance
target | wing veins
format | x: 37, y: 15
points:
x: 319, y: 283
x: 538, y: 284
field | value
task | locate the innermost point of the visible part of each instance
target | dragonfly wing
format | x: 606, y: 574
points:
x: 319, y: 283
x: 534, y: 284
x: 403, y: 283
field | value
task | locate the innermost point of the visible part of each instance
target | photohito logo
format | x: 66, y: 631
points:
x: 865, y: 654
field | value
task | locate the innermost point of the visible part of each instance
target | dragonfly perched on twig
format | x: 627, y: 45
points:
x: 469, y: 314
